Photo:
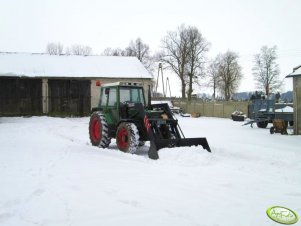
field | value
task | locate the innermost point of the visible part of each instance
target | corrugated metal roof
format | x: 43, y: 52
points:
x: 45, y: 65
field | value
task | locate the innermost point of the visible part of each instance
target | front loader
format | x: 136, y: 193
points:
x: 122, y: 114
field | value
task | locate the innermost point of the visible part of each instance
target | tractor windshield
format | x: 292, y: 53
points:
x: 131, y: 94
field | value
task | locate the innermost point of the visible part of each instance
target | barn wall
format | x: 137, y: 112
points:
x: 95, y: 90
x: 70, y: 97
x: 27, y: 96
x: 20, y: 96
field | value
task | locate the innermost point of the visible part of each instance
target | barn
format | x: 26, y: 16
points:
x: 296, y: 75
x: 38, y: 84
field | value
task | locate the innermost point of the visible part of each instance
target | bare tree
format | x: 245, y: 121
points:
x: 81, y: 50
x: 229, y: 73
x: 136, y: 49
x: 76, y: 49
x: 114, y: 52
x: 198, y: 47
x: 54, y: 48
x: 68, y: 51
x: 184, y: 53
x: 140, y: 50
x: 213, y: 75
x: 266, y: 70
x: 175, y: 53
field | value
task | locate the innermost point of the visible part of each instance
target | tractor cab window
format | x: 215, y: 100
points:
x: 108, y: 95
x: 112, y: 97
x: 131, y: 94
x: 103, y: 99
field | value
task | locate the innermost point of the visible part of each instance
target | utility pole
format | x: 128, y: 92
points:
x: 160, y: 69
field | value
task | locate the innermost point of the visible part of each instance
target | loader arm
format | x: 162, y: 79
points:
x: 169, y: 136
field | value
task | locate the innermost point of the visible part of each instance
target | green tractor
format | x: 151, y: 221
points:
x: 123, y: 115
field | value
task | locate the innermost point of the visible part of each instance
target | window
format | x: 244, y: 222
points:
x: 103, y: 99
x: 124, y: 95
x: 131, y: 94
x: 112, y: 97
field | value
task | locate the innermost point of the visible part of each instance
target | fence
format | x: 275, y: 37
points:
x: 211, y: 109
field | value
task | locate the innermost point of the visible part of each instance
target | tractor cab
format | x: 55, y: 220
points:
x: 117, y: 97
x: 114, y: 94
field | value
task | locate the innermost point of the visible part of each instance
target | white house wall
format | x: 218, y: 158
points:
x: 297, y: 104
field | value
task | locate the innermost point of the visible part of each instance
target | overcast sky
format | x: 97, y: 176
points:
x: 241, y: 26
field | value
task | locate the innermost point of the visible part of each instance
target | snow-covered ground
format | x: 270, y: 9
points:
x: 51, y: 175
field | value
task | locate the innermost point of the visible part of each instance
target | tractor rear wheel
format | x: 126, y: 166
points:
x: 98, y: 130
x: 127, y: 137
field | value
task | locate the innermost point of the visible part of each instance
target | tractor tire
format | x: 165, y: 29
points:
x: 127, y: 137
x: 272, y: 130
x: 98, y: 130
x: 263, y: 124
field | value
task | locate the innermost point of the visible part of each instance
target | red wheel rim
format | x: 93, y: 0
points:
x: 95, y: 130
x: 123, y: 139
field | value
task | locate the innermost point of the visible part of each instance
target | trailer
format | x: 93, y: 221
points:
x: 264, y: 111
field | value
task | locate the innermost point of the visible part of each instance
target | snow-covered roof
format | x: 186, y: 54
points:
x: 45, y: 65
x: 296, y: 72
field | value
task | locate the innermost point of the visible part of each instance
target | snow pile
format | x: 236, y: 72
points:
x: 51, y: 175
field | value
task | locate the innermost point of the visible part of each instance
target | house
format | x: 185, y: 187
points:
x: 36, y: 84
x: 296, y: 75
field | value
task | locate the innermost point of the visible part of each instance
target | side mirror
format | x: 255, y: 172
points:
x: 107, y: 91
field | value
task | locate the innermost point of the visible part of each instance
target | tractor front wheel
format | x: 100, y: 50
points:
x: 127, y: 137
x: 98, y: 130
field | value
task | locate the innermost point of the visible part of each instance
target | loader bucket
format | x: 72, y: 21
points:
x: 157, y: 144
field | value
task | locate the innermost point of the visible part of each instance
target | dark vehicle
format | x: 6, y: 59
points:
x: 123, y: 114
